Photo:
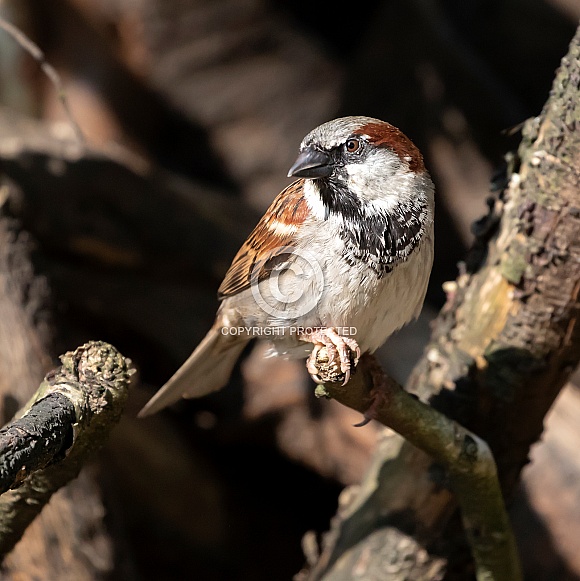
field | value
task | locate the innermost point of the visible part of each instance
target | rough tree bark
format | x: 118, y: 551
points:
x: 503, y: 346
x: 67, y: 420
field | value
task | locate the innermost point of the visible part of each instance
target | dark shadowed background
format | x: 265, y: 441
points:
x: 193, y: 111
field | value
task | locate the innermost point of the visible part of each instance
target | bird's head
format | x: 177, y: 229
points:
x: 365, y: 161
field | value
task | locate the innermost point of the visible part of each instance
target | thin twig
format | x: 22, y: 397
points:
x: 36, y: 53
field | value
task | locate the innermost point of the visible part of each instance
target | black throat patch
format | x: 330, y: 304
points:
x: 379, y: 239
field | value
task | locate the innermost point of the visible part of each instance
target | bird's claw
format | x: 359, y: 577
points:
x: 339, y: 351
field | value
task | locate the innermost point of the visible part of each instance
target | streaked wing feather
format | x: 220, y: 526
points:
x: 276, y: 229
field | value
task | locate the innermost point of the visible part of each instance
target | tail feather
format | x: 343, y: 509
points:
x: 207, y: 369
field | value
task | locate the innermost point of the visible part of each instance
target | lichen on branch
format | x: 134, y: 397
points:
x: 67, y: 419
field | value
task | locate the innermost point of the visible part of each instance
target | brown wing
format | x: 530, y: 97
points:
x: 277, y: 229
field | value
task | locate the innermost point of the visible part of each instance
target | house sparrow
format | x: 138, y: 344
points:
x: 341, y: 259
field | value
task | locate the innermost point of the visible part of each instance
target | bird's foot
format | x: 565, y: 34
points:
x: 340, y: 352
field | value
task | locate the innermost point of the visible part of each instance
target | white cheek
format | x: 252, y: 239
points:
x: 384, y: 183
x: 376, y: 183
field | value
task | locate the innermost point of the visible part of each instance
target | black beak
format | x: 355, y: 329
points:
x: 311, y: 163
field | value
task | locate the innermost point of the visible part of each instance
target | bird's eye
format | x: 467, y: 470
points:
x: 352, y: 145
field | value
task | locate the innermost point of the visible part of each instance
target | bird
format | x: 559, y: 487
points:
x: 341, y: 259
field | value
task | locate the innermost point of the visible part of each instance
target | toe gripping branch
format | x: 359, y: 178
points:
x: 328, y: 373
x: 333, y: 356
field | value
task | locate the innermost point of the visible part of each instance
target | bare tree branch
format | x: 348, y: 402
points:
x: 68, y: 418
x: 465, y: 456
